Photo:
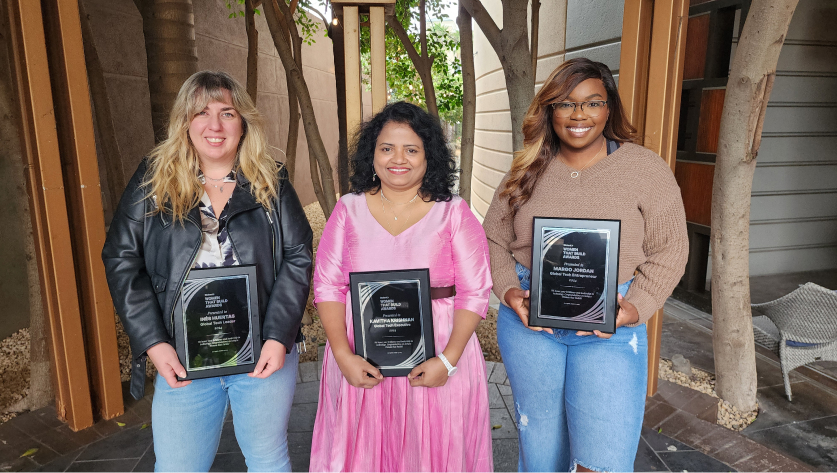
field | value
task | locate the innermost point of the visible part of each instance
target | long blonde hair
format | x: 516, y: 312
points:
x: 172, y: 176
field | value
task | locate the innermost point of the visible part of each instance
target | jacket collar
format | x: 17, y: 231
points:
x: 241, y: 199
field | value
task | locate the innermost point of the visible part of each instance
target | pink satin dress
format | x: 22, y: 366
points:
x: 395, y: 427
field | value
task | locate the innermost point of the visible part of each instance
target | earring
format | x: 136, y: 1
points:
x: 374, y: 176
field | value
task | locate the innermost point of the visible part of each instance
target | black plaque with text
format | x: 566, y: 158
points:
x: 216, y: 322
x: 393, y: 321
x: 575, y: 267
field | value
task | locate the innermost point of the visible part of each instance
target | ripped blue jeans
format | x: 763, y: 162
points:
x: 579, y: 400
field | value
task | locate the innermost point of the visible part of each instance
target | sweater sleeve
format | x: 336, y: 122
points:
x: 499, y: 230
x: 666, y: 246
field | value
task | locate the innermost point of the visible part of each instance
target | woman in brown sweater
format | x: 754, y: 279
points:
x: 582, y: 394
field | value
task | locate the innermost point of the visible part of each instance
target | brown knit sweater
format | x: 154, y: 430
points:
x: 633, y: 185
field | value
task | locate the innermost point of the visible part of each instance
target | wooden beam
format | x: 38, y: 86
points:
x: 78, y: 150
x: 665, y: 77
x: 49, y: 212
x: 351, y: 47
x: 377, y: 29
x: 662, y: 111
x: 633, y: 68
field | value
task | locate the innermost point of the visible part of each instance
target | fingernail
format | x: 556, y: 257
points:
x: 182, y: 374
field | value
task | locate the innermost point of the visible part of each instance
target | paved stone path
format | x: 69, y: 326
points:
x: 126, y: 444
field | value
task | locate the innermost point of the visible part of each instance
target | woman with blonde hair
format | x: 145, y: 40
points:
x: 207, y: 196
x: 580, y: 396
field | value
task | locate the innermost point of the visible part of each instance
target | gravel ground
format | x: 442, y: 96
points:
x: 14, y: 355
x: 728, y: 416
x: 14, y: 373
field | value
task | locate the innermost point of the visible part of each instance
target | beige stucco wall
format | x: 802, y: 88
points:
x: 568, y: 28
x: 221, y: 45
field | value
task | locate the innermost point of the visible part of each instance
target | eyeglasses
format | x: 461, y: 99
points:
x: 592, y: 108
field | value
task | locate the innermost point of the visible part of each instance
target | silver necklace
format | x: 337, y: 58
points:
x: 221, y: 187
x: 575, y: 173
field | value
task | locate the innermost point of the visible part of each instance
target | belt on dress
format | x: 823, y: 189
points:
x: 442, y: 292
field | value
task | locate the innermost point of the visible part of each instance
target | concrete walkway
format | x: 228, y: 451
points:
x: 679, y: 432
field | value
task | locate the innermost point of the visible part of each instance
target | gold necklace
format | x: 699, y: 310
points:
x: 575, y: 173
x: 391, y: 204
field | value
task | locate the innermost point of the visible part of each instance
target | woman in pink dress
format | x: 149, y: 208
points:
x: 403, y: 215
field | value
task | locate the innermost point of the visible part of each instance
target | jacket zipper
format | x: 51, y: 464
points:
x: 272, y: 243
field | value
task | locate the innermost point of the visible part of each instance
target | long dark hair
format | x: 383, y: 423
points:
x: 441, y: 168
x: 541, y: 144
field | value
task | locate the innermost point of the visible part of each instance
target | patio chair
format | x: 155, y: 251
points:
x: 807, y: 323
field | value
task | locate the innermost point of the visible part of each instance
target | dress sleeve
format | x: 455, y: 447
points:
x: 666, y: 246
x: 330, y: 283
x: 499, y: 229
x: 472, y: 270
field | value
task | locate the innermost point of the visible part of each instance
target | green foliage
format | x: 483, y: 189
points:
x: 442, y: 44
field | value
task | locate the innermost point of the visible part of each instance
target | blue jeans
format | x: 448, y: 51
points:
x: 187, y: 421
x: 579, y: 400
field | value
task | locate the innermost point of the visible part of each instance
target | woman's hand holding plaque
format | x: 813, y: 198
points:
x: 168, y: 365
x: 357, y: 371
x: 627, y: 315
x: 430, y: 374
x: 271, y: 360
x: 518, y: 300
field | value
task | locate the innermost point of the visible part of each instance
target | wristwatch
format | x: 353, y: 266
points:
x: 451, y: 369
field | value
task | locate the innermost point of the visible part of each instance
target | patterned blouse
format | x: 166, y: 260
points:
x: 216, y: 249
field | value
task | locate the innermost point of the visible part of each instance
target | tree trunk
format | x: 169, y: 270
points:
x: 252, y: 50
x: 512, y: 47
x: 336, y: 34
x: 40, y: 378
x: 169, y: 30
x: 469, y: 103
x: 748, y: 90
x: 292, y: 144
x: 111, y: 155
x: 274, y: 13
x: 533, y: 42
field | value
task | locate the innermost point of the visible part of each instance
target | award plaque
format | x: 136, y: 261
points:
x: 216, y: 322
x: 393, y: 319
x: 575, y: 266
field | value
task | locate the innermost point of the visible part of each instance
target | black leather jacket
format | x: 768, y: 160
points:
x: 147, y: 258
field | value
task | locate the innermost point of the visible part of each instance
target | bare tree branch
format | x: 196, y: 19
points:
x: 275, y: 12
x: 252, y: 50
x: 484, y: 21
x: 469, y: 102
x: 423, y: 64
x: 536, y: 9
x: 423, y: 28
x: 399, y: 30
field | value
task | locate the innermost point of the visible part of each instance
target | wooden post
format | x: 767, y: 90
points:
x: 351, y: 47
x: 49, y: 212
x: 650, y: 83
x: 377, y: 25
x: 633, y: 69
x: 349, y: 11
x: 78, y: 150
